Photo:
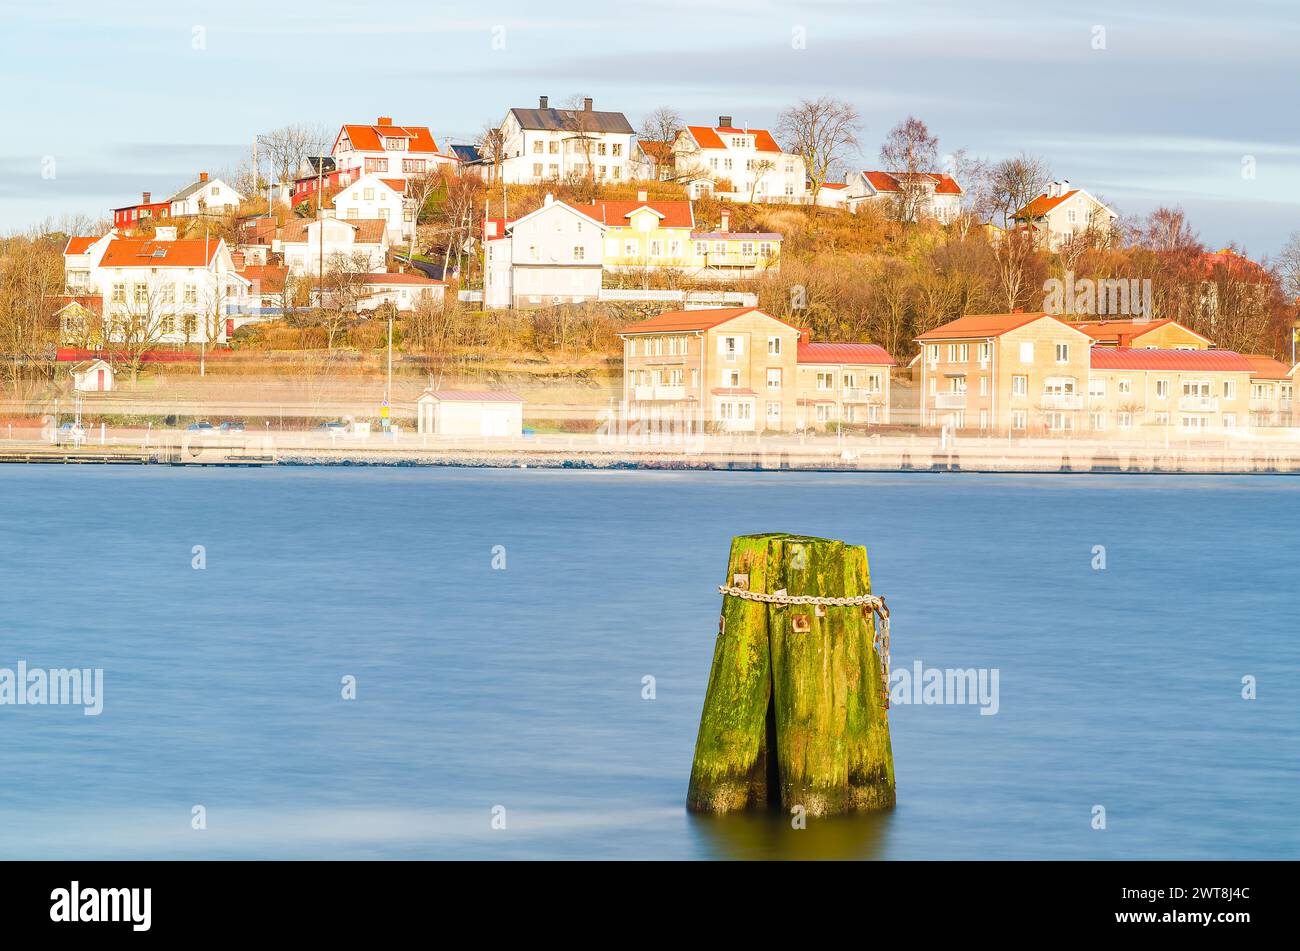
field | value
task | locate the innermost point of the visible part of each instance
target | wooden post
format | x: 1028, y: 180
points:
x: 794, y: 714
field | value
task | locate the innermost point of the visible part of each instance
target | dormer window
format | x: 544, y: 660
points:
x: 394, y: 144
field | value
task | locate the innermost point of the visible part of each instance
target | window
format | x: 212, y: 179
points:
x: 1229, y: 420
x: 1062, y: 353
x: 1099, y: 421
x: 579, y: 252
x: 394, y: 144
x: 383, y: 214
x: 617, y: 150
x: 167, y: 325
x: 773, y: 346
x: 631, y: 248
x: 773, y: 378
x: 958, y: 352
x: 825, y: 381
x: 1019, y: 419
x: 141, y: 293
x: 984, y: 419
x: 1125, y: 387
x: 731, y: 378
x: 1027, y: 352
x: 1019, y: 386
x: 367, y: 194
x: 1096, y: 387
x: 119, y: 293
x: 656, y: 249
x: 1162, y: 419
x: 413, y: 165
x: 1162, y: 389
x: 191, y: 324
x: 353, y: 213
x: 730, y: 347
x: 701, y: 248
x: 537, y: 169
x: 1229, y: 389
x: 774, y: 415
x: 765, y: 249
x: 1125, y: 420
x: 934, y: 353
x: 376, y: 165
x: 554, y: 148
x: 986, y: 351
x: 823, y: 413
x: 695, y: 378
x: 984, y: 386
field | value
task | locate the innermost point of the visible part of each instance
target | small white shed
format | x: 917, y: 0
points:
x: 92, y: 376
x: 469, y: 413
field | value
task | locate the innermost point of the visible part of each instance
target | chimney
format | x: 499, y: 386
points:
x: 724, y: 122
x: 805, y: 335
x: 586, y: 104
x: 385, y: 120
x: 146, y: 196
x: 726, y: 222
x: 203, y: 176
x: 489, y: 229
x: 543, y: 102
x: 642, y: 197
x: 550, y: 199
x: 1063, y: 186
x: 237, y: 259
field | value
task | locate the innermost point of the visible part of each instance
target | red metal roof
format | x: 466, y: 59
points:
x: 474, y: 396
x: 845, y: 353
x: 1266, y: 368
x: 986, y: 325
x: 1126, y: 358
x: 681, y: 320
x: 394, y: 278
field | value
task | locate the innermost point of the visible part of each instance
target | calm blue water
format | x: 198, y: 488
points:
x: 522, y: 688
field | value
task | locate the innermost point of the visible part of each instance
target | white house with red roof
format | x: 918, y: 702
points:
x: 315, y: 246
x: 154, y: 290
x: 833, y: 195
x: 548, y: 145
x: 552, y: 255
x: 915, y: 196
x: 738, y: 164
x: 404, y: 291
x: 371, y: 196
x: 388, y: 150
x: 1062, y: 213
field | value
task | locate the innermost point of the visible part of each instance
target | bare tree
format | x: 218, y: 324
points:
x: 1288, y: 263
x: 1015, y: 182
x: 288, y: 147
x: 760, y: 169
x: 658, y: 133
x: 580, y: 122
x: 973, y: 176
x: 910, y: 153
x: 822, y: 132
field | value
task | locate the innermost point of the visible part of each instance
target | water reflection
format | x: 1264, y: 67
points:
x: 767, y: 834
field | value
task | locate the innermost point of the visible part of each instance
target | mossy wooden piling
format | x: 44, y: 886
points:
x: 794, y: 714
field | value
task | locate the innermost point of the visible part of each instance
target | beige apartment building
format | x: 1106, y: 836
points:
x: 1272, y: 385
x: 1005, y: 373
x: 1149, y: 392
x: 743, y: 370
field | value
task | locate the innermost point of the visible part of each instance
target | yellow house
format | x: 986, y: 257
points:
x: 1181, y: 391
x: 1165, y: 334
x: 742, y: 370
x: 662, y: 234
x: 1016, y: 373
x: 1272, y: 385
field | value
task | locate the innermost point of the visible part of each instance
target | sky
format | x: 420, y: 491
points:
x: 1189, y: 104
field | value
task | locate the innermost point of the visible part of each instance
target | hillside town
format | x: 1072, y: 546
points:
x: 706, y: 275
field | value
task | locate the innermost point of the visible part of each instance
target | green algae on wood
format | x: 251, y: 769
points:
x: 794, y: 713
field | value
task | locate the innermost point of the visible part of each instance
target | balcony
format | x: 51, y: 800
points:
x: 649, y: 394
x: 1062, y: 401
x: 1198, y: 404
x: 859, y: 394
x: 950, y: 401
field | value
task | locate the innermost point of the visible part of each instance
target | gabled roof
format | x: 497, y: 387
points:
x: 845, y: 353
x: 672, y: 213
x: 145, y: 252
x: 466, y: 153
x: 1127, y: 358
x: 893, y: 181
x: 546, y: 206
x: 368, y: 230
x: 1119, y: 331
x: 78, y: 245
x: 193, y: 187
x: 677, y: 321
x: 1043, y: 204
x: 657, y: 150
x: 382, y: 278
x: 572, y: 120
x: 472, y: 396
x: 988, y: 325
x: 1266, y: 368
x: 370, y: 138
x: 710, y: 137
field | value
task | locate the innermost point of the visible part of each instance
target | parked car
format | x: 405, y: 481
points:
x: 70, y: 434
x: 231, y: 426
x: 201, y: 428
x: 333, y: 429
